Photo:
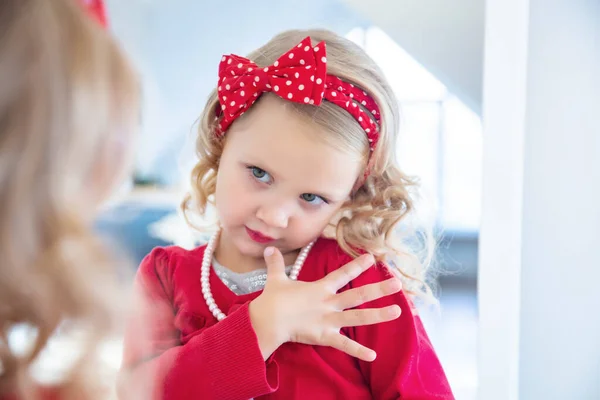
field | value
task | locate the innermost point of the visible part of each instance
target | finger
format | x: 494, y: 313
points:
x: 275, y: 263
x: 340, y: 277
x: 350, y: 347
x: 369, y: 316
x: 364, y: 294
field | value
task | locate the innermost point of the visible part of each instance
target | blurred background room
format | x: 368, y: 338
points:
x: 177, y: 45
x: 498, y: 100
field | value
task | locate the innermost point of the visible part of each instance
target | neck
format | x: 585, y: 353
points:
x: 227, y: 254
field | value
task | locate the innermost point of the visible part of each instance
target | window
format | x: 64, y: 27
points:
x: 440, y: 137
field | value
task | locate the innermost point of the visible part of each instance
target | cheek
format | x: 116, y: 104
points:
x: 311, y: 224
x: 232, y: 197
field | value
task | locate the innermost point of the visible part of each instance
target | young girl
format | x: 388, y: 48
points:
x: 68, y: 114
x: 295, y: 142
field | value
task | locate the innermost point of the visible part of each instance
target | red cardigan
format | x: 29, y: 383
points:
x: 182, y: 352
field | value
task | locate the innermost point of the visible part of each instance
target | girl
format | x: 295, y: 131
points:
x: 68, y: 111
x: 296, y: 143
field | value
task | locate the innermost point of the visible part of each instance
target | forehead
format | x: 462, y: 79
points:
x: 291, y: 147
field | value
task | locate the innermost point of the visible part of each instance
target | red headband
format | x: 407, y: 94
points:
x: 300, y: 76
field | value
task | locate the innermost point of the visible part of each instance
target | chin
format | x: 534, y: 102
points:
x: 250, y: 248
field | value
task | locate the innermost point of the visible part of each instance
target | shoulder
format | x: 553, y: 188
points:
x: 172, y: 255
x: 327, y: 256
x: 166, y: 263
x: 329, y: 250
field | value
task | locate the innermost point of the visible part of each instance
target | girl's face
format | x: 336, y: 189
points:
x: 278, y: 184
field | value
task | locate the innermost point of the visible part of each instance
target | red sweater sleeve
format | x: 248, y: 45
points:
x: 220, y: 362
x: 406, y: 366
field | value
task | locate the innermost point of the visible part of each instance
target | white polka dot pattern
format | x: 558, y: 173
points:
x: 347, y: 96
x: 299, y: 75
x: 287, y: 77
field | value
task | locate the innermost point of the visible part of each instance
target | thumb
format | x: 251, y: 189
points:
x: 275, y: 263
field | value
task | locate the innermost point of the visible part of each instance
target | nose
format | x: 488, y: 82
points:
x: 275, y: 216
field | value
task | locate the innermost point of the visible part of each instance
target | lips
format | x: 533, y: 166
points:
x: 259, y: 237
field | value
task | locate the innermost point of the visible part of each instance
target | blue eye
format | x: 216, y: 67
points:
x: 312, y: 198
x: 260, y: 174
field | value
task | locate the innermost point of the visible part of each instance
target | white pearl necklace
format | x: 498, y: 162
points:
x: 205, y: 273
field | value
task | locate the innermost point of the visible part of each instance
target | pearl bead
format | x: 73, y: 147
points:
x: 205, y: 272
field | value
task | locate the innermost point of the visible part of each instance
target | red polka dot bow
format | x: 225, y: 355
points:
x: 299, y: 75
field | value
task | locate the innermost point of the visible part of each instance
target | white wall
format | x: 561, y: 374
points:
x: 560, y: 321
x: 539, y: 258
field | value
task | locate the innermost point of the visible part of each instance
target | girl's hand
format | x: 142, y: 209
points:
x: 313, y: 312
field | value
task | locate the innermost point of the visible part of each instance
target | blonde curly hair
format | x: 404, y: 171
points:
x: 68, y: 110
x: 370, y: 220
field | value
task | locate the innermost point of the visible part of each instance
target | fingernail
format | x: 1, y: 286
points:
x: 394, y: 311
x: 372, y: 355
x: 368, y: 260
x: 269, y: 251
